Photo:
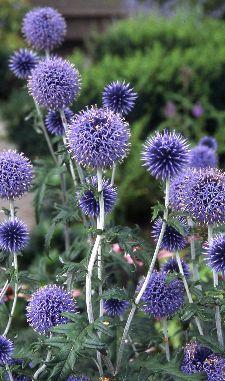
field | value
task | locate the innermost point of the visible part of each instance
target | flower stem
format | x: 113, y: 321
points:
x: 193, y: 253
x: 143, y: 288
x: 166, y: 338
x: 42, y: 367
x: 9, y: 373
x: 113, y: 174
x: 4, y: 289
x: 217, y: 309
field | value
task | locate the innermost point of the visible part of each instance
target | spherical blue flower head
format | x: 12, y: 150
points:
x: 204, y: 196
x: 22, y: 63
x: 54, y: 123
x: 18, y: 377
x: 115, y: 307
x: 209, y: 142
x: 194, y: 357
x: 162, y: 298
x: 78, y: 378
x: 44, y: 28
x: 6, y: 350
x: 171, y: 266
x: 119, y: 97
x: 215, y: 253
x: 46, y: 306
x: 98, y: 138
x: 214, y: 367
x: 202, y: 157
x: 177, y: 188
x: 165, y: 154
x: 172, y: 239
x: 16, y: 174
x: 88, y: 201
x: 54, y: 83
x: 14, y: 235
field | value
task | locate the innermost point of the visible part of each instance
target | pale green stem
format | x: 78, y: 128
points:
x: 4, y: 289
x: 47, y: 53
x: 9, y: 373
x: 113, y: 174
x: 166, y: 338
x: 193, y: 252
x: 143, y: 288
x: 42, y: 367
x: 217, y: 309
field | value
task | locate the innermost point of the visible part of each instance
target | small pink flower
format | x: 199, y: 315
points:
x: 76, y: 293
x: 116, y: 248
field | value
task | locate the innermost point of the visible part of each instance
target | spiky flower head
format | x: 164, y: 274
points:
x: 46, y: 306
x: 214, y: 367
x: 16, y: 174
x: 14, y: 235
x: 88, y: 200
x: 119, y: 97
x: 177, y: 189
x: 22, y: 62
x: 202, y: 157
x: 165, y: 154
x: 115, y: 307
x: 172, y: 240
x: 98, y: 138
x: 18, y: 377
x: 54, y: 123
x: 171, y: 266
x: 194, y: 357
x: 204, y: 197
x: 44, y: 28
x: 215, y: 252
x: 54, y: 83
x: 162, y: 298
x: 209, y: 142
x: 6, y: 350
x: 78, y: 378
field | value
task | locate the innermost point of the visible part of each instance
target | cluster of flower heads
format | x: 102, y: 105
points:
x: 162, y: 298
x: 171, y: 266
x: 119, y: 97
x: 44, y: 28
x: 22, y: 62
x: 14, y: 235
x: 165, y: 154
x: 204, y: 154
x: 6, y: 350
x: 54, y: 124
x: 98, y: 138
x: 46, y: 306
x: 172, y: 240
x: 88, y: 201
x: 78, y: 378
x: 16, y: 174
x: 115, y: 307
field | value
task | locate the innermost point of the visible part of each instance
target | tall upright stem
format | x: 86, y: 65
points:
x: 3, y: 291
x: 42, y: 367
x: 166, y: 338
x: 193, y: 252
x: 113, y: 174
x: 217, y: 309
x: 143, y: 288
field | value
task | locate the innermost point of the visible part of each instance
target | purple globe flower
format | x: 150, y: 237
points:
x: 88, y: 201
x: 215, y: 253
x: 177, y: 189
x: 172, y: 240
x: 171, y: 266
x: 78, y: 378
x: 18, y: 377
x: 6, y: 350
x: 194, y: 357
x: 161, y: 297
x: 214, y: 367
x: 54, y: 83
x: 197, y: 110
x: 119, y: 97
x: 204, y: 196
x: 170, y: 110
x: 16, y: 174
x: 14, y: 235
x: 98, y: 138
x: 46, y: 306
x: 209, y: 142
x: 165, y: 154
x: 54, y: 123
x: 115, y: 307
x: 22, y: 63
x: 44, y: 28
x: 202, y: 157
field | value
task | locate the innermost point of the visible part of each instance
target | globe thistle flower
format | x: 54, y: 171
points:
x: 215, y: 253
x: 6, y: 350
x: 194, y: 357
x: 202, y: 157
x: 209, y: 142
x: 172, y: 240
x: 46, y: 306
x: 165, y: 154
x: 16, y: 174
x: 177, y: 189
x: 98, y: 138
x: 54, y: 123
x: 77, y: 378
x: 88, y: 201
x: 204, y: 196
x: 13, y: 235
x: 197, y: 110
x: 161, y: 297
x: 171, y: 266
x: 22, y: 63
x: 54, y: 83
x: 115, y: 307
x: 119, y: 97
x: 214, y: 367
x: 44, y: 28
x: 18, y: 377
